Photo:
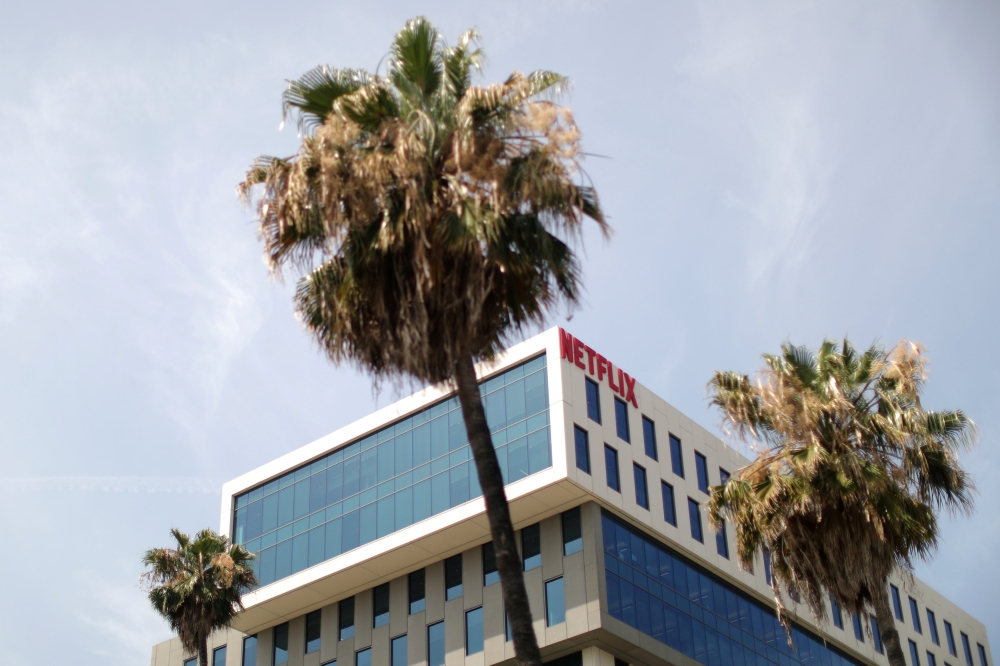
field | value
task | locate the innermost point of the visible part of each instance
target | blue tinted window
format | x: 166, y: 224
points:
x: 932, y: 627
x: 676, y: 458
x: 968, y: 650
x: 641, y: 491
x: 669, y: 508
x: 722, y: 542
x: 435, y: 644
x: 555, y: 602
x: 649, y: 437
x: 950, y: 636
x: 398, y: 655
x: 313, y: 624
x: 345, y: 614
x: 572, y: 531
x: 249, y: 651
x: 193, y: 661
x: 915, y: 615
x: 877, y: 636
x: 859, y: 632
x: 914, y: 655
x: 621, y: 420
x: 363, y: 657
x: 897, y: 606
x: 474, y: 631
x: 593, y: 400
x: 453, y: 578
x: 838, y: 620
x: 490, y: 573
x: 280, y: 652
x: 982, y: 655
x: 931, y: 659
x: 767, y: 566
x: 694, y: 515
x: 219, y: 656
x: 417, y: 589
x: 400, y: 475
x: 701, y: 466
x: 380, y: 605
x: 531, y: 547
x: 582, y: 449
x: 611, y: 468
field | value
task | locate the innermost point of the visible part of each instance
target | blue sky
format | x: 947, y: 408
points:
x: 775, y: 171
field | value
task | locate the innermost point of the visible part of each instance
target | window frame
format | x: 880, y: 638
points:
x: 547, y: 594
x: 667, y: 490
x: 358, y: 653
x: 966, y: 646
x: 641, y: 494
x: 877, y: 636
x: 444, y: 647
x: 694, y: 517
x: 915, y: 616
x: 897, y: 603
x: 488, y: 553
x: 577, y: 432
x: 482, y: 630
x: 215, y: 658
x: 835, y: 613
x: 676, y: 454
x: 949, y: 634
x: 593, y: 408
x: 380, y: 619
x: 243, y: 655
x: 701, y: 469
x: 274, y: 644
x: 392, y: 650
x: 722, y: 541
x: 534, y: 560
x: 411, y: 599
x: 611, y: 459
x: 859, y: 630
x: 914, y: 653
x: 342, y: 606
x: 574, y: 545
x: 932, y: 626
x: 317, y: 616
x: 450, y: 570
x: 621, y: 421
x: 649, y: 438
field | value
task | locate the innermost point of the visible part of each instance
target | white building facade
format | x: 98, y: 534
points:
x: 373, y: 547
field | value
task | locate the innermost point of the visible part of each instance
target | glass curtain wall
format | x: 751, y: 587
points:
x: 404, y: 473
x: 662, y: 594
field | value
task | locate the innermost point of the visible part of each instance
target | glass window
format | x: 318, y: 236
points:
x: 219, y: 656
x: 877, y: 637
x: 694, y: 515
x: 897, y: 606
x: 453, y: 578
x: 641, y: 491
x: 249, y: 651
x: 838, y: 619
x: 611, y: 468
x: 982, y: 654
x: 572, y: 531
x: 914, y: 655
x: 280, y: 652
x: 669, y: 508
x: 193, y: 661
x: 312, y: 631
x: 555, y: 602
x: 723, y: 476
x: 506, y: 627
x: 363, y: 657
x: 380, y: 605
x: 858, y: 630
x: 950, y: 636
x: 915, y: 615
x: 593, y: 400
x: 345, y: 613
x: 965, y: 646
x: 435, y: 644
x: 621, y: 419
x: 931, y: 660
x: 474, y: 631
x: 932, y: 627
x: 490, y: 573
x: 398, y: 655
x: 722, y: 541
x: 649, y: 437
x: 676, y: 458
x: 767, y: 566
x: 417, y: 584
x: 531, y: 547
x: 582, y: 449
x: 701, y: 466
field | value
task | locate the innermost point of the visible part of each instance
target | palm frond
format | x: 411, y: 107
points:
x: 311, y: 97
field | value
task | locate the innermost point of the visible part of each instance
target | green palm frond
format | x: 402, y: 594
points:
x: 312, y: 96
x: 415, y: 60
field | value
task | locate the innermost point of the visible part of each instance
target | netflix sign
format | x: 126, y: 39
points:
x: 585, y: 358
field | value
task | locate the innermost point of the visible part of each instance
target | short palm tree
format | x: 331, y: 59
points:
x: 431, y: 221
x: 850, y: 474
x: 197, y: 586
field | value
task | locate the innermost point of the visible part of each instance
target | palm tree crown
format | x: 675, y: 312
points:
x: 850, y: 474
x: 197, y: 586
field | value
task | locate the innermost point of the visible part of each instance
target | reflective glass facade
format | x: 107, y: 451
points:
x: 664, y: 595
x: 404, y: 473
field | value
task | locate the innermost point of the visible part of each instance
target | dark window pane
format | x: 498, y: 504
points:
x: 694, y: 515
x: 453, y: 577
x: 950, y: 636
x: 474, y: 631
x: 593, y: 401
x: 398, y: 655
x: 877, y: 637
x: 767, y: 566
x: 345, y: 612
x: 721, y: 542
x: 965, y: 646
x: 280, y: 652
x: 250, y: 651
x: 193, y: 661
x: 669, y: 508
x: 931, y: 660
x: 701, y: 466
x: 723, y: 476
x: 914, y: 655
x: 572, y: 531
x: 380, y: 605
x: 416, y: 583
x: 490, y: 573
x: 363, y: 657
x: 621, y: 420
x: 641, y: 491
x: 611, y: 468
x: 313, y: 624
x: 676, y: 458
x: 435, y: 644
x: 982, y: 655
x: 932, y: 627
x: 838, y: 619
x: 858, y: 631
x: 915, y: 615
x: 649, y: 437
x: 219, y: 656
x: 582, y: 449
x: 531, y: 546
x: 555, y: 602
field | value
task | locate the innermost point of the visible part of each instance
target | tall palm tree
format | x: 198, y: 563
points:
x: 431, y: 222
x: 850, y: 475
x: 197, y: 586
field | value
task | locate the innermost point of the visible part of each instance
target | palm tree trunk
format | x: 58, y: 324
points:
x: 887, y: 628
x: 203, y: 650
x: 515, y: 596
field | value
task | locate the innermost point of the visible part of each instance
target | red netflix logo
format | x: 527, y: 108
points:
x: 574, y: 351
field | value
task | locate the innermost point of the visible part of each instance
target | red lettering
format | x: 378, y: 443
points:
x: 590, y: 358
x: 602, y: 367
x: 578, y: 354
x: 630, y: 391
x: 611, y: 377
x: 621, y: 383
x: 565, y: 345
